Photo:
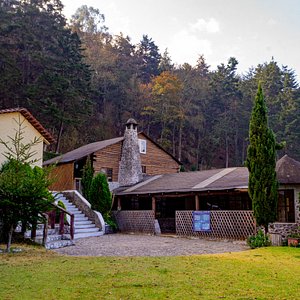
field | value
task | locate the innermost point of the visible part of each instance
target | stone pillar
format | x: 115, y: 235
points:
x: 130, y: 169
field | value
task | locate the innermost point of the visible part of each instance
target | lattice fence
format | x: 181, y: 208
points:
x: 135, y: 220
x: 235, y: 224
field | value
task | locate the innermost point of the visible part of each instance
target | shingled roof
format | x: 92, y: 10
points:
x: 93, y: 147
x: 288, y: 172
x: 219, y: 179
x: 32, y: 120
x: 82, y: 151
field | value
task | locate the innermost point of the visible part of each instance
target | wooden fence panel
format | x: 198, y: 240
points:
x: 235, y: 224
x: 135, y: 220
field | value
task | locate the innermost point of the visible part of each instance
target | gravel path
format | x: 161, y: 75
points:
x: 147, y: 245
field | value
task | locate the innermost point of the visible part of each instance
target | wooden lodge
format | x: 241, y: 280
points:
x: 105, y: 156
x: 171, y: 199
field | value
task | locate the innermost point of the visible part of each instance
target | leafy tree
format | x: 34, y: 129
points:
x: 87, y: 178
x: 261, y: 163
x: 88, y: 19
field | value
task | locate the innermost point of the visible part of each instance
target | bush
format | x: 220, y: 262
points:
x: 258, y: 240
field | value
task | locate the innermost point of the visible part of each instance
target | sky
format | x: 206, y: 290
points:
x: 252, y: 31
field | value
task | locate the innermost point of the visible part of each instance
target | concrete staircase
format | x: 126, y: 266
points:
x: 54, y: 239
x: 83, y: 227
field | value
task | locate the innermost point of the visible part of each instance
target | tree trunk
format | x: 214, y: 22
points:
x: 173, y: 141
x: 9, y: 238
x: 180, y: 141
x: 59, y: 136
x: 227, y: 151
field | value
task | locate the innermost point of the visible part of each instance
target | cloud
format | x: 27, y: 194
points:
x: 185, y: 47
x: 209, y: 26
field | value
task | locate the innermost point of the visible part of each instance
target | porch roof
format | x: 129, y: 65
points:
x: 218, y: 179
x: 288, y: 172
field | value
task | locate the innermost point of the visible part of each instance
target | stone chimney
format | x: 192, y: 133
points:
x: 130, y: 169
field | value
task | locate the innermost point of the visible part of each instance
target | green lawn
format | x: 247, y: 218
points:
x: 269, y: 273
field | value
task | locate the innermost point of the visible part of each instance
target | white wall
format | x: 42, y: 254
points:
x: 8, y: 127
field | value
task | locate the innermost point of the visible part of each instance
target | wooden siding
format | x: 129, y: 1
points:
x: 156, y: 160
x: 109, y: 157
x: 63, y: 177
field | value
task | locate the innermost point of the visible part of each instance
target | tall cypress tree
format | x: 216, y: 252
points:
x: 261, y: 163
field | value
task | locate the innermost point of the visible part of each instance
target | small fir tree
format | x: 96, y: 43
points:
x: 87, y: 177
x: 100, y: 196
x: 24, y: 190
x: 261, y: 163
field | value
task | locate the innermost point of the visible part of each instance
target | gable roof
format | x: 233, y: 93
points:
x: 82, y: 151
x: 288, y: 172
x: 32, y: 120
x: 93, y: 147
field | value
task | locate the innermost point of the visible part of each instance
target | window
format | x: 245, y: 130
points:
x: 144, y: 169
x: 286, y: 206
x: 108, y: 172
x: 143, y: 146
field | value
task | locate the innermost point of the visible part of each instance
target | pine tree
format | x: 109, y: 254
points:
x: 261, y: 163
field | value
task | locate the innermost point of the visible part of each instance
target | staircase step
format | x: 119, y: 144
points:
x: 81, y: 230
x: 76, y: 223
x: 59, y: 244
x: 80, y: 226
x: 87, y: 234
x: 80, y: 218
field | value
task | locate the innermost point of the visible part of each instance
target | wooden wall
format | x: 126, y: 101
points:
x: 109, y: 157
x: 156, y: 160
x: 63, y: 177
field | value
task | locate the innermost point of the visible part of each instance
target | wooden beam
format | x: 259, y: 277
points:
x: 154, y: 204
x: 197, y: 204
x: 119, y: 207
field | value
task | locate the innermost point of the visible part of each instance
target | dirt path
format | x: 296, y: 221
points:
x: 147, y: 245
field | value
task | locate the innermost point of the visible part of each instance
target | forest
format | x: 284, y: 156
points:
x: 83, y: 82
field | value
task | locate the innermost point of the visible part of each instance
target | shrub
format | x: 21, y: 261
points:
x: 258, y: 240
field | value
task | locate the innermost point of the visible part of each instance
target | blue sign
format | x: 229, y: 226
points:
x: 201, y: 221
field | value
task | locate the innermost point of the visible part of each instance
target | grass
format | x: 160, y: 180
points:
x: 266, y: 273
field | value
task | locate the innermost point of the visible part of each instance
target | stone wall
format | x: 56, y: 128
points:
x: 284, y: 229
x: 135, y: 221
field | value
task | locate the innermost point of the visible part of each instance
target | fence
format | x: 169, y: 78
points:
x: 235, y: 224
x: 135, y: 220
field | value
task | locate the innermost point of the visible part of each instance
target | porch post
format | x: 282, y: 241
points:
x: 119, y: 204
x: 153, y: 204
x: 197, y: 204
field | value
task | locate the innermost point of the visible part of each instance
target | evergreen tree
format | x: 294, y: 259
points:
x: 261, y: 163
x: 100, y: 196
x: 87, y: 177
